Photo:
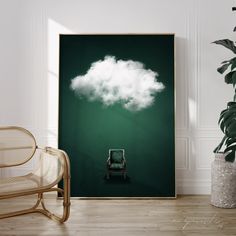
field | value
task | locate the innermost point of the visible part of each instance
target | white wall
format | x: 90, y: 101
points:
x: 29, y: 66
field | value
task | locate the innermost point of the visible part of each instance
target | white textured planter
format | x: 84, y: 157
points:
x: 223, y: 182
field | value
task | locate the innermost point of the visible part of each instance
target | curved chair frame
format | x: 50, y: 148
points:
x: 39, y: 206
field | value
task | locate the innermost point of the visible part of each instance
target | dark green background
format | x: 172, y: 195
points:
x: 87, y: 130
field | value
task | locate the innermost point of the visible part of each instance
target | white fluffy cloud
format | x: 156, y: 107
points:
x: 117, y: 81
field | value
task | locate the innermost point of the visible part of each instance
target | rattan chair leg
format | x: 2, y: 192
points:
x: 22, y: 212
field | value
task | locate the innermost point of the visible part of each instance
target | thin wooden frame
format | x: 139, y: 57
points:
x: 174, y: 94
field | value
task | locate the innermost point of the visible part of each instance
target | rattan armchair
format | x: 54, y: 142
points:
x: 17, y: 147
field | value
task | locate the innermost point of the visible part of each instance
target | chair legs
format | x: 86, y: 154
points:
x: 43, y: 210
x: 46, y: 212
x: 124, y: 175
x: 21, y: 212
x: 108, y: 174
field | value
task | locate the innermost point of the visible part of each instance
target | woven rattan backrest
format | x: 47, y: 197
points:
x: 17, y: 146
x: 51, y: 166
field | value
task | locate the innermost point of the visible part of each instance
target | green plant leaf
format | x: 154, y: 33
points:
x: 230, y: 141
x: 228, y: 114
x: 234, y: 78
x: 222, y: 115
x: 233, y: 63
x: 230, y: 104
x: 229, y: 61
x: 217, y: 149
x: 223, y: 62
x: 231, y: 153
x: 231, y: 129
x: 222, y: 112
x: 223, y: 68
x: 226, y: 43
x: 230, y: 156
x: 227, y: 122
x: 228, y: 78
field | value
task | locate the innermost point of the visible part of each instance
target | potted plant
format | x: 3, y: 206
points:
x: 224, y: 166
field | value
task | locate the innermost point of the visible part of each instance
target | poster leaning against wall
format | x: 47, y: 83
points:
x: 117, y: 114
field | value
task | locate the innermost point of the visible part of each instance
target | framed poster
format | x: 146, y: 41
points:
x: 117, y: 114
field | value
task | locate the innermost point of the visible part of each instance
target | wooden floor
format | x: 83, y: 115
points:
x: 188, y: 215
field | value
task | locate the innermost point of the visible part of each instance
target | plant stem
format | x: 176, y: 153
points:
x: 217, y: 149
x: 235, y: 95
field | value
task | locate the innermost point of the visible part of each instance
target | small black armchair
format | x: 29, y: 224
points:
x: 116, y: 163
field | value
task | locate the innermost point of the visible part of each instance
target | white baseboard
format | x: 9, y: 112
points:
x: 193, y: 186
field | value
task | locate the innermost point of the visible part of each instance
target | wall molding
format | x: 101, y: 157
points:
x: 193, y: 186
x: 185, y: 154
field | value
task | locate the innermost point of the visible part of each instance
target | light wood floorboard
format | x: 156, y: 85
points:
x: 188, y: 215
